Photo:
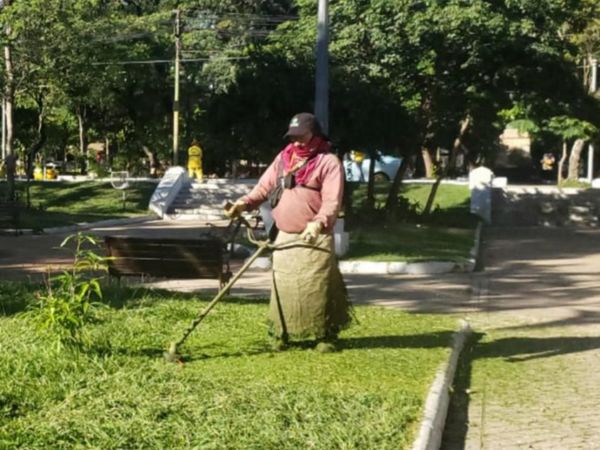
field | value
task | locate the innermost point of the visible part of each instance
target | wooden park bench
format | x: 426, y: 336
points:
x: 201, y: 258
x: 10, y: 213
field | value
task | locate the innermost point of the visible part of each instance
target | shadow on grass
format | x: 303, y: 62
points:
x: 16, y: 297
x: 210, y: 350
x: 182, y: 356
x: 131, y: 297
x: 121, y: 297
x: 429, y: 340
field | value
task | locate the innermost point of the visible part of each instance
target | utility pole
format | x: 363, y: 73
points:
x: 322, y: 74
x: 176, y: 93
x: 593, y: 88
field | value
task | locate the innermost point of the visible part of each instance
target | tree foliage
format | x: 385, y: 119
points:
x: 405, y: 75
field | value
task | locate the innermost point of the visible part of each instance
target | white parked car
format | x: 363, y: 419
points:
x: 356, y: 166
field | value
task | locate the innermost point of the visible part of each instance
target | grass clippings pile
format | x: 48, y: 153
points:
x: 232, y: 391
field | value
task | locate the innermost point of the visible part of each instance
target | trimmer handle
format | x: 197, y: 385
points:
x: 227, y: 206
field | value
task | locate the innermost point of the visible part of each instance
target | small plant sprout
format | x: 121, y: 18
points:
x: 70, y: 301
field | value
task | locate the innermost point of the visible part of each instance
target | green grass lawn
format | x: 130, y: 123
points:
x: 64, y: 203
x: 446, y: 234
x: 231, y: 393
x: 450, y: 207
x: 410, y: 242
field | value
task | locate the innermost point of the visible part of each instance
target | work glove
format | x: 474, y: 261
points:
x: 311, y: 232
x: 236, y: 209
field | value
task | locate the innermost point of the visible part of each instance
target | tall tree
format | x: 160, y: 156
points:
x: 8, y: 96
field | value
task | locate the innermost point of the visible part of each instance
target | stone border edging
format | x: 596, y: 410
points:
x: 82, y: 226
x: 438, y: 398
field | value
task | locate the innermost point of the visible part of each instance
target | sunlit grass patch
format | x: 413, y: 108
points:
x: 56, y: 203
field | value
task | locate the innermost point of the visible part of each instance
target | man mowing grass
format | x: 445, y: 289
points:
x: 305, y: 185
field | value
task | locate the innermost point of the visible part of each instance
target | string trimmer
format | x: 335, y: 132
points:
x: 171, y: 354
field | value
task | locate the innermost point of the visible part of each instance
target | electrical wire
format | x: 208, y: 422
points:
x: 166, y: 61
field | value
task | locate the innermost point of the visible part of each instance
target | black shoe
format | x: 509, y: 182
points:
x: 326, y: 347
x: 327, y: 344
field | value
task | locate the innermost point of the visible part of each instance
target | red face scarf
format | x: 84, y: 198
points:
x: 293, y: 155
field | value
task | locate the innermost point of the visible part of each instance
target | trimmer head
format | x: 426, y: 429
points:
x: 171, y: 354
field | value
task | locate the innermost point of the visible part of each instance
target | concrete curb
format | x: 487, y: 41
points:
x: 396, y: 267
x: 82, y: 226
x: 438, y: 398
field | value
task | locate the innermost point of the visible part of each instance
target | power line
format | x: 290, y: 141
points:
x: 167, y: 61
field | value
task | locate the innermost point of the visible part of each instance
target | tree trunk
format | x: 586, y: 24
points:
x: 37, y: 145
x: 392, y: 199
x: 108, y: 153
x: 152, y: 163
x: 464, y: 126
x: 427, y: 162
x: 371, y: 183
x: 561, y: 162
x: 82, y: 136
x: 9, y: 97
x: 575, y: 159
x: 588, y: 63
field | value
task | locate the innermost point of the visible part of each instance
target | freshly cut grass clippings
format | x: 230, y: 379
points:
x: 232, y: 392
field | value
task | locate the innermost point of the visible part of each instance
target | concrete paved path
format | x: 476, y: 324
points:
x: 531, y: 381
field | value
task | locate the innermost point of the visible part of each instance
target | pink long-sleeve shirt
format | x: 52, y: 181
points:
x: 320, y: 201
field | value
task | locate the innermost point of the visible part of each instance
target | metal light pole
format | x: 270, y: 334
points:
x: 176, y: 93
x: 3, y: 130
x: 322, y: 74
x: 593, y: 88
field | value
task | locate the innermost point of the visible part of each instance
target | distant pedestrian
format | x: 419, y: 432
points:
x: 194, y: 164
x: 305, y: 186
x: 358, y: 158
x: 548, y: 161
